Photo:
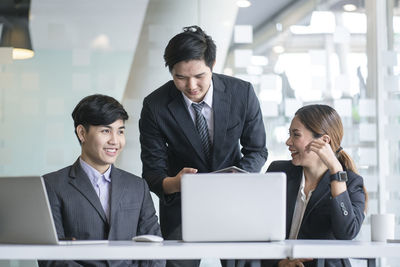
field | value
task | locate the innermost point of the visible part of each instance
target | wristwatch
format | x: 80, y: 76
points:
x: 339, y: 176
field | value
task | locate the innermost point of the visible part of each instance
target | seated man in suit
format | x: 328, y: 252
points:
x: 196, y: 123
x: 92, y: 199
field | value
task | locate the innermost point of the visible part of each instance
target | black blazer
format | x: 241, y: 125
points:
x: 325, y: 217
x: 77, y: 211
x: 169, y: 139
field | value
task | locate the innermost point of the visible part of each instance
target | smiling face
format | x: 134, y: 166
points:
x: 192, y: 78
x: 299, y: 138
x: 102, y: 144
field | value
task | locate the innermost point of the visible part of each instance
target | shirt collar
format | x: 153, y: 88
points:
x: 208, y: 98
x: 93, y: 174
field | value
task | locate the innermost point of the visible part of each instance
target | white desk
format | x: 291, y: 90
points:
x: 117, y: 250
x: 224, y: 250
x: 343, y: 249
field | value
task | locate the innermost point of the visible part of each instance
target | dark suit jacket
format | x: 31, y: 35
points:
x: 325, y: 217
x: 170, y: 141
x: 78, y: 213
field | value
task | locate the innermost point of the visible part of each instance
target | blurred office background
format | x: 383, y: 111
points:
x: 295, y: 52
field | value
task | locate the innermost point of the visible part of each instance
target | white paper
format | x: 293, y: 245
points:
x: 269, y: 108
x: 243, y: 34
x: 343, y: 107
x: 367, y: 107
x: 367, y: 132
x: 243, y: 57
x: 291, y: 106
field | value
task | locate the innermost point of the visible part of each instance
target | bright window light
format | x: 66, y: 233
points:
x: 278, y: 49
x: 349, y: 7
x: 243, y: 3
x: 254, y: 70
x: 259, y: 60
x: 321, y: 22
x: 396, y: 24
x: 355, y: 22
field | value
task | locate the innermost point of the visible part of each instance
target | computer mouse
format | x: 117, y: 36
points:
x: 147, y: 238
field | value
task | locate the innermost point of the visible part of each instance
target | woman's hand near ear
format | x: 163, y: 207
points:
x: 323, y: 149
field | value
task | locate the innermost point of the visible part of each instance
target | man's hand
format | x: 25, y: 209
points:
x: 173, y: 184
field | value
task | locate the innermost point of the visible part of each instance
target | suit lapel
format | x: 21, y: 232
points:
x: 178, y: 109
x: 221, y: 107
x: 80, y: 181
x: 293, y: 184
x: 318, y: 195
x: 117, y: 191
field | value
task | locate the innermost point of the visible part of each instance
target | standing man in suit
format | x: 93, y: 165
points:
x: 194, y: 123
x: 92, y: 199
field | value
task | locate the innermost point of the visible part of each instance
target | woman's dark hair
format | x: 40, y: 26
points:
x: 191, y: 44
x: 98, y: 110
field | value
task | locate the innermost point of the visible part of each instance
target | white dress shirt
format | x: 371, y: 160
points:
x: 301, y: 205
x: 101, y: 184
x: 207, y: 110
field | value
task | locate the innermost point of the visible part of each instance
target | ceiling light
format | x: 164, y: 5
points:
x: 243, y: 3
x: 349, y: 7
x: 15, y: 34
x: 278, y: 49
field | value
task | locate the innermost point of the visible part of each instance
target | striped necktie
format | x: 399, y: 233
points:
x: 201, y: 125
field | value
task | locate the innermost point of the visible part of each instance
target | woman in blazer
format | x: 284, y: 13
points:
x: 326, y: 197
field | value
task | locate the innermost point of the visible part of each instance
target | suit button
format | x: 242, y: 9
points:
x: 345, y: 213
x: 342, y: 204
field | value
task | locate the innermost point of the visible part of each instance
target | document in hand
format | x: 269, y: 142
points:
x: 231, y: 169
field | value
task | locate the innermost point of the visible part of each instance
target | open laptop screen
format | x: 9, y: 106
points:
x: 25, y: 216
x: 233, y: 207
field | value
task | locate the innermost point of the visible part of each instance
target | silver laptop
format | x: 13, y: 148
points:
x: 233, y: 207
x: 25, y: 214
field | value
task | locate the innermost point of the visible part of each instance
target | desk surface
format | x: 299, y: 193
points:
x: 185, y: 250
x: 142, y: 251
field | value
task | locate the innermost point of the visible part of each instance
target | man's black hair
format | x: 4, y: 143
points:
x: 98, y: 110
x: 192, y: 44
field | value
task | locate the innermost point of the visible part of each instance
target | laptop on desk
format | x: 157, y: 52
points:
x: 233, y: 207
x: 25, y: 214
